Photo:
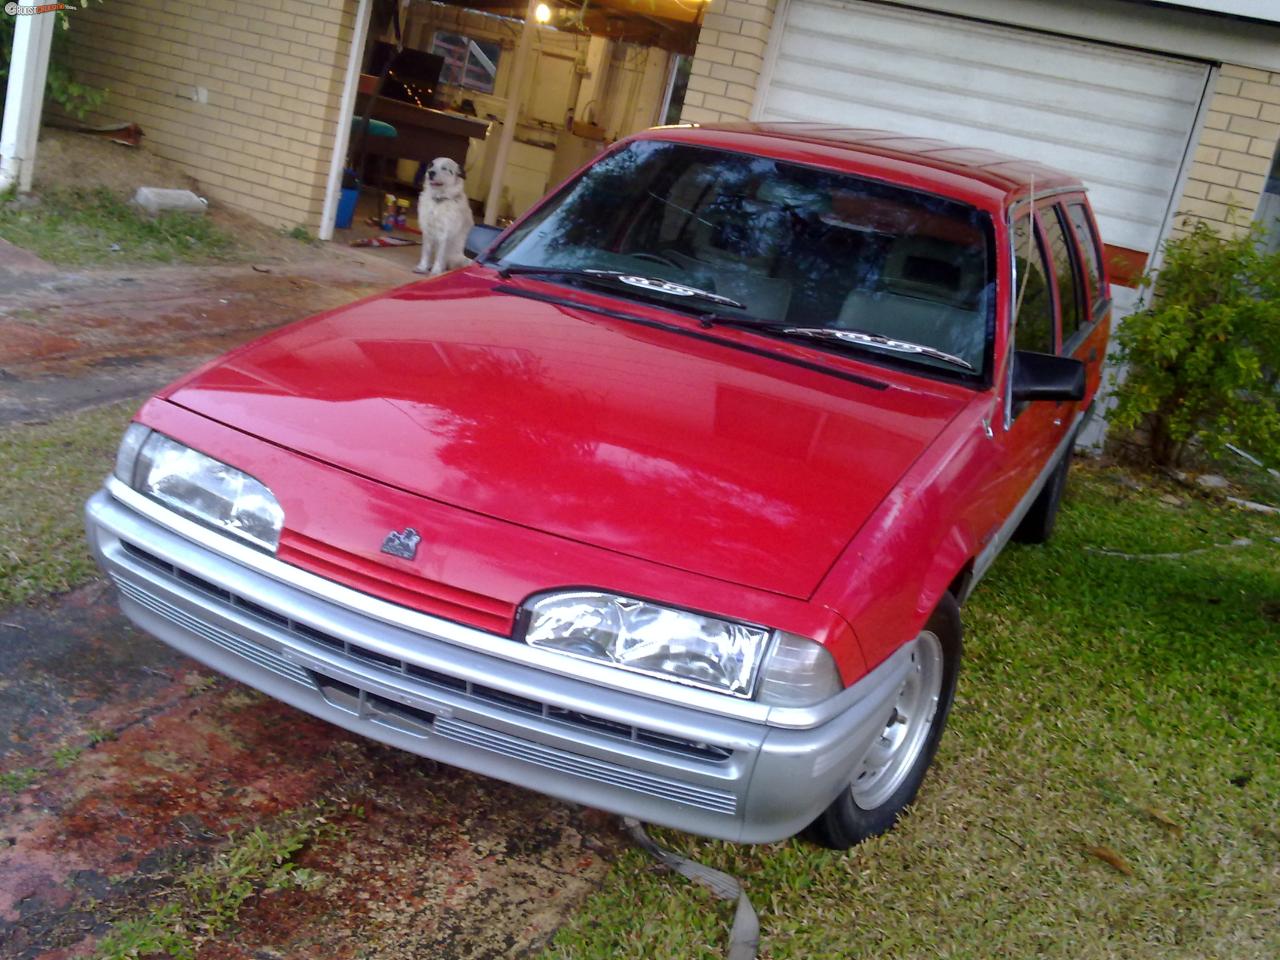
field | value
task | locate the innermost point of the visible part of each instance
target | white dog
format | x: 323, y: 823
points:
x: 444, y: 216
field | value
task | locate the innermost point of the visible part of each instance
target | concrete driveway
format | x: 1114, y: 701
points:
x: 71, y: 338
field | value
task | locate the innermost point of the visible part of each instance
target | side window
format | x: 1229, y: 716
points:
x: 1088, y: 244
x: 1033, y: 328
x: 1062, y: 250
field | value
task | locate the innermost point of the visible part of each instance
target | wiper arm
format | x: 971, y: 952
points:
x: 652, y: 284
x: 865, y: 339
x: 862, y: 338
x: 518, y: 269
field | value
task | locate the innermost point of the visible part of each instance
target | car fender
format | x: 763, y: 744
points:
x: 920, y: 542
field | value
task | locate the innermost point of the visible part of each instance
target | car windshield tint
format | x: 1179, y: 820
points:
x: 793, y: 244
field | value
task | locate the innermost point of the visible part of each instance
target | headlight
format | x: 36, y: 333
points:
x: 204, y: 489
x: 647, y: 638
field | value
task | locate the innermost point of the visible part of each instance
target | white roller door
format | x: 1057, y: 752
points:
x: 1117, y: 118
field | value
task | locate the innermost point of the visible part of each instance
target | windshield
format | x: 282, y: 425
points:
x: 791, y: 244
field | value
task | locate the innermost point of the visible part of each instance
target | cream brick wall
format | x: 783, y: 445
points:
x: 1234, y: 153
x: 727, y: 63
x: 273, y: 70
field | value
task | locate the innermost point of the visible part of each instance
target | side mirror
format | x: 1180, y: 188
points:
x: 479, y: 239
x: 1046, y: 376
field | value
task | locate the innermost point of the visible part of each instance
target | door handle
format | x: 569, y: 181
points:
x: 1093, y: 355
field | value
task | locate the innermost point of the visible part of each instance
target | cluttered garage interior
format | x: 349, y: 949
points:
x: 442, y: 79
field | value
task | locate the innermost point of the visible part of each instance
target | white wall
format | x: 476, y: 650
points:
x: 1186, y: 33
x: 1257, y: 9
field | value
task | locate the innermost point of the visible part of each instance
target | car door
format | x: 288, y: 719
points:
x: 1024, y: 443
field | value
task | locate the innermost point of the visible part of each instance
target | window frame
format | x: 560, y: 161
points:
x: 471, y: 42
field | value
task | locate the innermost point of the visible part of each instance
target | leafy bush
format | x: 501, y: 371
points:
x: 61, y: 87
x: 1201, y: 363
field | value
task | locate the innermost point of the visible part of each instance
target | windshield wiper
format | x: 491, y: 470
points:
x: 861, y: 338
x: 651, y: 284
x: 864, y: 339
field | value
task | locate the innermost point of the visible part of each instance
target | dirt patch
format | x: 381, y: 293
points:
x: 425, y: 861
x: 66, y: 160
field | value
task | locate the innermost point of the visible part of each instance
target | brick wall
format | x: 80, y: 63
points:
x: 1234, y: 154
x: 273, y: 70
x: 727, y: 64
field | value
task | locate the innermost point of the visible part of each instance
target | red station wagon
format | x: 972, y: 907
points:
x: 666, y: 504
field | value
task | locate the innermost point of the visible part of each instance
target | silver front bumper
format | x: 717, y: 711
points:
x: 659, y: 761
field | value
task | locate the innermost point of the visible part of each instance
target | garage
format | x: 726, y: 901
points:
x: 1120, y: 119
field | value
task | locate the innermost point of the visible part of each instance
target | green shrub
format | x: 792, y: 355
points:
x: 1201, y: 364
x: 61, y: 87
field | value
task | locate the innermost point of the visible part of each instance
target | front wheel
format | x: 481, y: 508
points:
x: 887, y: 778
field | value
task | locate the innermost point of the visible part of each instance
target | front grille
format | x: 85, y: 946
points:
x: 396, y: 586
x: 366, y: 657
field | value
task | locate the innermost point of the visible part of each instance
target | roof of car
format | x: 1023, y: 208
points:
x: 976, y: 170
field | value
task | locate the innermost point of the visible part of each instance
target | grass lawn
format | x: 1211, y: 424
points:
x: 86, y: 227
x: 1108, y: 708
x: 50, y: 469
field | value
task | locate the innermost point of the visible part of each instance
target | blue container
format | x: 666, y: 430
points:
x: 346, y: 208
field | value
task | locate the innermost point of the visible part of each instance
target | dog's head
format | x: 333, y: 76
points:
x: 443, y: 175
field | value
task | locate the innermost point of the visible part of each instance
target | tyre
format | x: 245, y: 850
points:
x: 887, y: 779
x: 1037, y: 526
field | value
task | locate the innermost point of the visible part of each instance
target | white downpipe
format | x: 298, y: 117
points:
x: 24, y: 99
x: 346, y: 111
x: 515, y: 90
